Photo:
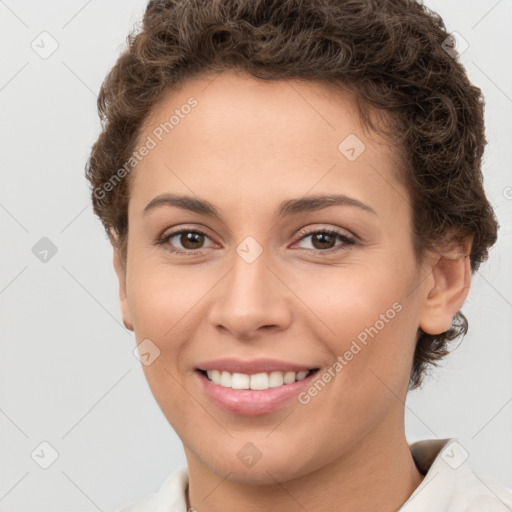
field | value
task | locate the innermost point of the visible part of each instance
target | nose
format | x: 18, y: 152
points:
x: 251, y: 299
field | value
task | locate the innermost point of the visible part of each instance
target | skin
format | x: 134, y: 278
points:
x: 248, y: 145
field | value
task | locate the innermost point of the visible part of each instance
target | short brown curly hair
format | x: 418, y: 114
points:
x: 394, y: 55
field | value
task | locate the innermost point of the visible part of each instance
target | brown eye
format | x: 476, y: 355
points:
x: 191, y: 239
x: 323, y: 240
x: 186, y: 241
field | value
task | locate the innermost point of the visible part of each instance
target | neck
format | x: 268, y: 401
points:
x: 378, y: 473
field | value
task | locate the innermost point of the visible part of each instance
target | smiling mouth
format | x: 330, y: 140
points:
x: 255, y: 381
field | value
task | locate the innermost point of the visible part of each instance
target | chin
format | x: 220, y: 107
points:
x: 248, y: 465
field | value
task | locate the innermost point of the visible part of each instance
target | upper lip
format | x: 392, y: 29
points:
x: 233, y: 365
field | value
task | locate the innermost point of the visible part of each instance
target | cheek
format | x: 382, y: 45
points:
x: 161, y: 298
x: 346, y: 300
x: 162, y: 305
x: 365, y: 316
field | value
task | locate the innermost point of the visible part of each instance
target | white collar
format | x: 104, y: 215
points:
x: 450, y: 484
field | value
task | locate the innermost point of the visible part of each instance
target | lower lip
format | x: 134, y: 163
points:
x: 248, y: 402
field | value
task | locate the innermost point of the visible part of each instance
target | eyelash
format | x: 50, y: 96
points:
x: 347, y: 241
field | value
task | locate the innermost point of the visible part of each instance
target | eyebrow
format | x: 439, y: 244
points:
x: 286, y: 208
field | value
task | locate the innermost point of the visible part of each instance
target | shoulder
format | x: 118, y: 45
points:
x: 170, y: 497
x: 489, y: 496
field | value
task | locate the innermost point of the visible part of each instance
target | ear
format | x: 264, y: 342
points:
x: 121, y: 276
x: 448, y: 287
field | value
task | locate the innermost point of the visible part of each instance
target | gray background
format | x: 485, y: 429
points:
x: 68, y: 374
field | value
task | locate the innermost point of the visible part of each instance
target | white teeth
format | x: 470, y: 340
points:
x: 255, y: 381
x: 240, y: 381
x: 275, y: 379
x: 289, y: 377
x: 214, y: 374
x: 259, y: 381
x: 225, y: 379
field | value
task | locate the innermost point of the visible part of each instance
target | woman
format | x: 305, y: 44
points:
x: 294, y: 197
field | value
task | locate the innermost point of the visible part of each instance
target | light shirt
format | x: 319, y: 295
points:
x: 449, y: 485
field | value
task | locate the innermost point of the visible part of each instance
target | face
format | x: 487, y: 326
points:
x: 250, y: 276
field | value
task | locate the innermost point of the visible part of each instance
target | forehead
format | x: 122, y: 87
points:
x: 255, y: 112
x: 230, y: 131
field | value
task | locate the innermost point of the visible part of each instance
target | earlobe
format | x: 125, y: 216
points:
x: 121, y: 276
x: 451, y: 281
